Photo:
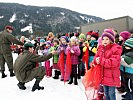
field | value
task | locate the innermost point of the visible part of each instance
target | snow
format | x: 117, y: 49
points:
x: 91, y: 20
x: 22, y: 21
x: 26, y: 15
x: 82, y: 17
x: 62, y: 13
x: 53, y: 89
x: 37, y: 12
x: 1, y: 17
x: 48, y: 15
x: 13, y: 18
x: 29, y: 28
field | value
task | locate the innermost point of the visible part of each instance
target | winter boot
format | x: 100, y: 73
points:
x: 75, y: 80
x: 11, y: 73
x: 59, y: 73
x: 21, y: 85
x: 79, y: 77
x: 3, y: 74
x: 83, y: 72
x: 100, y: 92
x: 71, y: 79
x: 56, y: 75
x: 128, y: 96
x: 79, y: 72
x: 36, y: 86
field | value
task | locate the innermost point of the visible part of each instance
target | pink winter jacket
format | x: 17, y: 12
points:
x: 110, y: 57
x: 74, y: 57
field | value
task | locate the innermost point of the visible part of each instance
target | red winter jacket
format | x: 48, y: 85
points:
x: 110, y: 57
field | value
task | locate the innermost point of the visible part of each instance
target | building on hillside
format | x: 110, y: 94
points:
x: 120, y: 24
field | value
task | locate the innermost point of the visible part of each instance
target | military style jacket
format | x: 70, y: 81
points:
x: 5, y: 41
x: 25, y: 65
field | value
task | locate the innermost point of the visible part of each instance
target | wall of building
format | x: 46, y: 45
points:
x: 119, y: 24
x: 130, y: 22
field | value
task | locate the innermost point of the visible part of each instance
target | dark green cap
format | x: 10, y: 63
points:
x: 28, y: 44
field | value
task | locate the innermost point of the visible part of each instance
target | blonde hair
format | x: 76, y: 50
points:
x: 51, y: 34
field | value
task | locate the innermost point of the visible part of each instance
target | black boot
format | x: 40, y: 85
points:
x: 36, y: 86
x: 79, y: 72
x: 21, y: 85
x: 59, y: 73
x: 75, y: 80
x: 56, y: 75
x: 71, y: 79
x: 11, y: 73
x: 3, y: 74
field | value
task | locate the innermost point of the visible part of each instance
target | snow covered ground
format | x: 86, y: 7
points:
x: 53, y: 90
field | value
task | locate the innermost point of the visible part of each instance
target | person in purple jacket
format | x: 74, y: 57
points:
x: 74, y: 52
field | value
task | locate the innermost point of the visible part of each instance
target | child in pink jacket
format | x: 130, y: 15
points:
x: 109, y: 57
x: 74, y: 50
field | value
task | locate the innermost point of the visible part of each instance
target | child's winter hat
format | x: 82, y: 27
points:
x: 81, y: 36
x: 129, y: 42
x: 95, y: 35
x: 48, y: 43
x: 89, y: 33
x: 73, y: 38
x: 109, y: 33
x: 65, y: 38
x: 125, y: 35
x: 42, y: 40
x: 56, y: 40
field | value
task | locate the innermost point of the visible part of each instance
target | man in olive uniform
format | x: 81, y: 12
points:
x: 6, y: 39
x: 25, y: 67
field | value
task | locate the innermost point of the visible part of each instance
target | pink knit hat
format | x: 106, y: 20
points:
x: 125, y: 34
x: 109, y: 33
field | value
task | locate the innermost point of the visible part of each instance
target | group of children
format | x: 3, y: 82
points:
x: 75, y: 53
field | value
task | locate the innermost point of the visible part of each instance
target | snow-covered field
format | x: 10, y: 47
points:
x: 53, y: 89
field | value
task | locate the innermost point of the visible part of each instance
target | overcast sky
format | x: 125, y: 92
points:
x: 107, y: 9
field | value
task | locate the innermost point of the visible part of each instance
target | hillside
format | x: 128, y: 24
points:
x: 33, y: 19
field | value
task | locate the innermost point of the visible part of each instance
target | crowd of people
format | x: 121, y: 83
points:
x: 69, y: 56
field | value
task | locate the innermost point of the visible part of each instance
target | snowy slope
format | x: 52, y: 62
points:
x: 53, y: 90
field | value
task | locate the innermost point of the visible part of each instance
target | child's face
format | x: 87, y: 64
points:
x: 106, y: 41
x: 73, y: 42
x: 63, y: 41
x: 92, y: 38
x: 81, y: 39
x: 120, y: 38
x: 47, y: 45
x: 55, y: 43
x: 42, y: 43
x: 88, y: 37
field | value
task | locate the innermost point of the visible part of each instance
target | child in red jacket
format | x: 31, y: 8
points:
x: 108, y: 57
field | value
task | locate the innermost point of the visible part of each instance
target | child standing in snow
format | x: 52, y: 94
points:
x: 109, y: 57
x: 81, y: 67
x: 61, y: 52
x: 74, y: 53
x: 55, y: 58
x: 93, y: 44
x: 47, y: 63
